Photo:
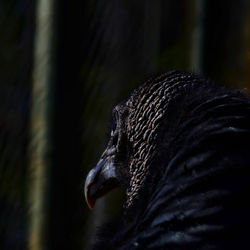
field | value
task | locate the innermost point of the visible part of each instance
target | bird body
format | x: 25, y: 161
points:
x: 180, y: 147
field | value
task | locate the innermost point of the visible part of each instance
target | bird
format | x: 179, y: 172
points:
x: 180, y: 148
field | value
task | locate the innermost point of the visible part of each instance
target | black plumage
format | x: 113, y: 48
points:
x: 180, y: 146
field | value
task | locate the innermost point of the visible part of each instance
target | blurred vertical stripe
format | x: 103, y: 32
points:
x: 40, y: 124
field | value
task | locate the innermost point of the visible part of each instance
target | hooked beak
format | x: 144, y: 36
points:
x: 100, y: 180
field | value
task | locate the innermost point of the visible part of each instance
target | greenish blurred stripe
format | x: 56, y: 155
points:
x: 40, y: 137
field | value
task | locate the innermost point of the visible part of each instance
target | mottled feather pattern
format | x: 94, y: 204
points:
x: 148, y: 107
x: 189, y: 186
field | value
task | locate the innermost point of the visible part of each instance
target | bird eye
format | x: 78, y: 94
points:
x: 115, y: 117
x: 113, y: 127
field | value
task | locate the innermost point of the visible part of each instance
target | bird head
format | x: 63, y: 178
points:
x: 135, y: 137
x: 111, y: 170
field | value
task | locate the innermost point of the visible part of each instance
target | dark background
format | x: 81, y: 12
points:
x: 52, y: 124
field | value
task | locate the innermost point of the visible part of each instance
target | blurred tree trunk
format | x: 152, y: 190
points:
x: 197, y: 39
x: 40, y: 125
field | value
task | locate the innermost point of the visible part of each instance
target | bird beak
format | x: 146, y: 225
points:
x: 100, y: 180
